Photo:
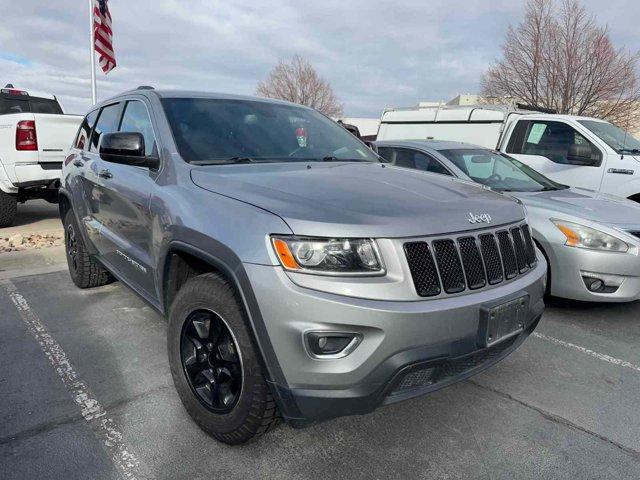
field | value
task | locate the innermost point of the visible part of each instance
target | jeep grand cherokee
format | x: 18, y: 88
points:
x: 302, y: 277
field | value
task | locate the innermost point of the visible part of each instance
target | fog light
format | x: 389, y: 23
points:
x: 331, y: 344
x: 596, y: 285
x: 601, y: 282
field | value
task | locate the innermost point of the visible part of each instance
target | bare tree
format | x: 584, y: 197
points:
x: 559, y: 58
x: 298, y: 82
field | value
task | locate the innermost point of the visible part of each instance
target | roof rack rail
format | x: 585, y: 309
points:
x: 533, y: 108
x: 145, y: 87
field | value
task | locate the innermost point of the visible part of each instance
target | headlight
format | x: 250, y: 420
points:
x: 586, y: 237
x: 329, y: 256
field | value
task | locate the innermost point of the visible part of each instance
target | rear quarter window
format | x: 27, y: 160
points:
x: 84, y: 132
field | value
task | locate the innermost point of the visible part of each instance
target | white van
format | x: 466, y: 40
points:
x: 578, y: 151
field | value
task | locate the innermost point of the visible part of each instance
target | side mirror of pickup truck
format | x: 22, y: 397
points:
x: 582, y: 155
x: 126, y: 148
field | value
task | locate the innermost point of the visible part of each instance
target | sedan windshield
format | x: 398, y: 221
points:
x: 217, y: 131
x: 616, y: 138
x: 498, y: 171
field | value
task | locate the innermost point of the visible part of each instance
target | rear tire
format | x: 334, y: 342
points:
x: 84, y: 270
x: 8, y: 209
x: 233, y: 405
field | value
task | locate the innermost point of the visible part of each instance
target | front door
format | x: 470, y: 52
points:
x: 544, y: 146
x: 124, y: 215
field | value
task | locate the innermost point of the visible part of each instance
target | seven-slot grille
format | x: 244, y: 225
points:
x: 470, y: 262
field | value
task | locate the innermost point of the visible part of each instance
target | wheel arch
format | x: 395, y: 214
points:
x: 64, y: 203
x: 183, y: 260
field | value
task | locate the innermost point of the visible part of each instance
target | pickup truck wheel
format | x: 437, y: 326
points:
x: 214, y: 364
x: 84, y: 270
x: 8, y: 209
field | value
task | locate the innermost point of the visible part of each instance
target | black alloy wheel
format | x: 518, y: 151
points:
x: 72, y: 246
x: 211, y: 361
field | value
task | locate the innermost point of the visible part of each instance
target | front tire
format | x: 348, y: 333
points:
x: 8, y: 209
x: 215, y: 367
x: 84, y: 270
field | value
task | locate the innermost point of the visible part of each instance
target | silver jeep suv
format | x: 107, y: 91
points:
x: 302, y: 277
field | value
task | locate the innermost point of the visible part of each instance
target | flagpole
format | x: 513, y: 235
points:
x: 92, y: 55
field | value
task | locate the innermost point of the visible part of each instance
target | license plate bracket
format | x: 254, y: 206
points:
x: 502, y: 320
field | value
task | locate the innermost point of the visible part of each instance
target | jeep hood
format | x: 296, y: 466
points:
x: 358, y: 199
x: 587, y: 204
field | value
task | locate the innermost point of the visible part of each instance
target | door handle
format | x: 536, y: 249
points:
x: 105, y: 173
x: 78, y: 163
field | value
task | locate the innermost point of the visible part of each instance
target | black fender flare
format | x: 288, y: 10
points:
x: 227, y: 262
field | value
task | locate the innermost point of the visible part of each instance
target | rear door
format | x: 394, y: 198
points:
x: 123, y: 193
x: 544, y: 146
x: 94, y: 197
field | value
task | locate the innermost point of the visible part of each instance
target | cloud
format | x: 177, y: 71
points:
x: 374, y: 53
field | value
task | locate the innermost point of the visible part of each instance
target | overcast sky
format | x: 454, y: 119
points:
x: 375, y: 53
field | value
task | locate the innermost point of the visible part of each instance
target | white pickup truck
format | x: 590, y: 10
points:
x: 35, y: 136
x: 577, y: 151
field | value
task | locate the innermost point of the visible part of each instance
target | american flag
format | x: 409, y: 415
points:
x: 103, y: 35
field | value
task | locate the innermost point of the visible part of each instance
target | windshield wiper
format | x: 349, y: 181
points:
x: 629, y: 150
x: 331, y: 158
x: 224, y: 161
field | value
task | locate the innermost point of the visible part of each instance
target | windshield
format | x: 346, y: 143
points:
x: 211, y: 131
x: 615, y: 137
x: 498, y: 171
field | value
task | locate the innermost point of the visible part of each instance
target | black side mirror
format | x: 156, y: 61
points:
x: 126, y: 148
x: 582, y: 155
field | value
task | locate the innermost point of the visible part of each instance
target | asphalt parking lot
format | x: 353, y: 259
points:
x: 85, y: 392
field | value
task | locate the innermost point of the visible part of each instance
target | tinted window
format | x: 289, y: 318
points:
x: 215, y: 130
x: 45, y: 105
x: 408, y: 158
x: 25, y: 104
x: 13, y: 104
x: 386, y: 153
x: 107, y: 123
x: 136, y: 119
x: 82, y: 139
x: 548, y: 139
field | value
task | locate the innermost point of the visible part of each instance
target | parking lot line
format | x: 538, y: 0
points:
x: 105, y: 429
x: 600, y: 356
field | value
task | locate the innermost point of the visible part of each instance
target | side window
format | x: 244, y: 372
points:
x: 547, y: 138
x: 82, y: 139
x: 107, y: 123
x: 136, y: 119
x: 408, y: 158
x: 429, y: 164
x: 386, y: 153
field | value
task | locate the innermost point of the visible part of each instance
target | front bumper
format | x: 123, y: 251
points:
x: 397, y: 337
x: 569, y: 265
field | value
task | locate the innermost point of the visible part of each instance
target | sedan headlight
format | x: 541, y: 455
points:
x: 587, y: 237
x: 328, y: 256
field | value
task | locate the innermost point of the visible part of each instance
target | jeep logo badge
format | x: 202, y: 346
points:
x: 481, y: 218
